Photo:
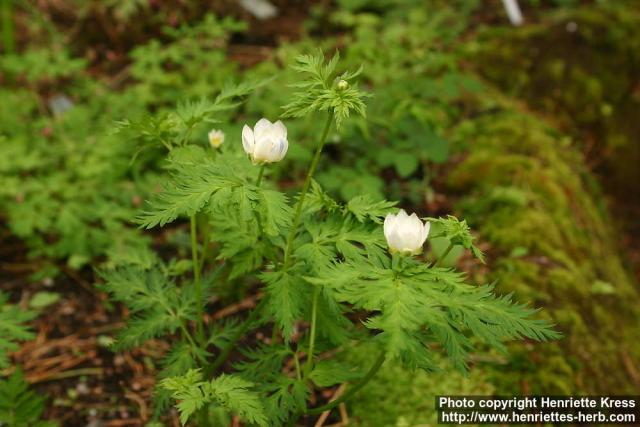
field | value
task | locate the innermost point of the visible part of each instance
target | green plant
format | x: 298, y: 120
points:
x: 418, y: 93
x: 19, y: 406
x: 8, y: 36
x: 191, y: 63
x: 12, y: 328
x: 318, y: 262
x: 71, y: 188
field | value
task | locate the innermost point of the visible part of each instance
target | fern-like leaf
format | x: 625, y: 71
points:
x: 12, y: 328
x: 229, y: 391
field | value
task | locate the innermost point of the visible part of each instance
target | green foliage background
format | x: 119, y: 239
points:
x: 446, y: 115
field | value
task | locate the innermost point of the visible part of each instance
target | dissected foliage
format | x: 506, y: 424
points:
x: 19, y: 406
x: 229, y: 391
x: 13, y: 328
x: 317, y: 262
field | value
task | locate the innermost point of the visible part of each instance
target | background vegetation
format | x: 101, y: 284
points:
x: 530, y: 133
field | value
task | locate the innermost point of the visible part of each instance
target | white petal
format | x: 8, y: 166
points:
x: 274, y: 150
x: 248, y: 142
x: 279, y: 149
x: 262, y: 150
x: 389, y: 225
x: 283, y: 148
x: 262, y: 128
x: 394, y: 241
x: 216, y: 138
x: 407, y: 236
x: 427, y: 227
x: 280, y: 129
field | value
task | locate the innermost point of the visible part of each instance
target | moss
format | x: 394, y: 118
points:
x: 569, y: 246
x: 585, y: 81
x: 401, y: 398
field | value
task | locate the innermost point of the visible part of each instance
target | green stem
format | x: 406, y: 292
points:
x: 374, y: 369
x: 205, y: 247
x: 224, y: 355
x: 305, y: 189
x: 8, y: 32
x: 196, y: 278
x: 297, y: 362
x: 260, y: 174
x: 444, y: 255
x: 312, y: 335
x: 187, y: 135
x: 187, y: 335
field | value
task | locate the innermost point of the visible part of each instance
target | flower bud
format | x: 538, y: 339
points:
x: 404, y: 233
x: 216, y: 138
x: 343, y: 84
x: 266, y: 143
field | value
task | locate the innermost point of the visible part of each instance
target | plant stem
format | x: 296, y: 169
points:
x: 312, y: 334
x: 196, y: 278
x: 8, y: 32
x: 305, y: 189
x: 259, y: 180
x: 374, y: 369
x: 187, y: 335
x: 205, y: 246
x: 224, y: 355
x: 444, y: 255
x: 297, y: 362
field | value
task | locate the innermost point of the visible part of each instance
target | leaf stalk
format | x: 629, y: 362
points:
x: 444, y: 255
x: 305, y: 189
x: 312, y: 334
x: 370, y: 374
x: 196, y: 278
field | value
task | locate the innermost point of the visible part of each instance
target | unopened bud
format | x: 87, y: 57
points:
x: 343, y: 84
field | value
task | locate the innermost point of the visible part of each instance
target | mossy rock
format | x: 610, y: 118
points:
x: 580, y: 69
x: 401, y: 398
x: 556, y: 249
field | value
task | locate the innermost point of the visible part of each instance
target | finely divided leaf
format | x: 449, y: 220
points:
x: 12, y: 328
x: 229, y: 391
x: 288, y: 297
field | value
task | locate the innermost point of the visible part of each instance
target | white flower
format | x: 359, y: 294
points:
x: 405, y: 233
x: 266, y: 143
x: 216, y: 138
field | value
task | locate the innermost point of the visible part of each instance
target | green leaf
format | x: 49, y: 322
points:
x: 229, y: 391
x: 43, y: 299
x: 285, y: 396
x: 414, y: 299
x: 327, y: 373
x: 12, y: 328
x: 405, y: 163
x: 288, y: 297
x: 458, y: 233
x: 320, y: 92
x: 19, y: 406
x: 274, y: 211
x: 156, y: 306
x: 190, y: 191
x: 437, y: 148
x: 364, y: 207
